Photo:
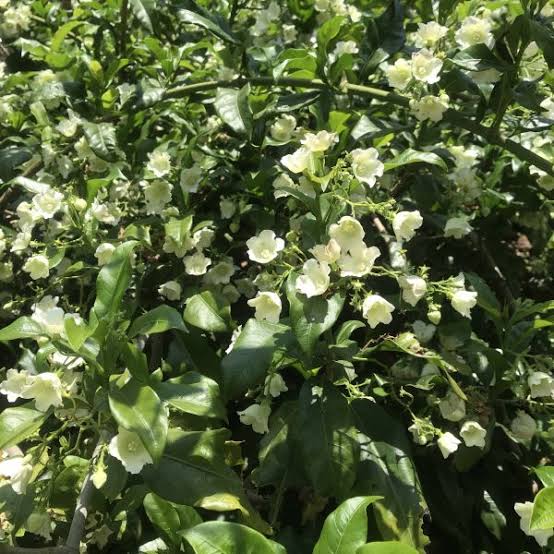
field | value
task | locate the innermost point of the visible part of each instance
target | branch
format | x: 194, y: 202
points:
x: 488, y: 133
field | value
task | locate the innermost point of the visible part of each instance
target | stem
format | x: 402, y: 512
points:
x: 489, y: 134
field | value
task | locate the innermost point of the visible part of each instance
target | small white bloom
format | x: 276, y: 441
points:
x: 452, y: 407
x: 256, y: 415
x: 474, y: 30
x: 191, y: 178
x: 37, y: 267
x: 203, y: 238
x: 14, y: 383
x: 524, y: 510
x: 359, y: 261
x: 420, y: 433
x: 220, y: 273
x: 457, y: 227
x: 413, y: 288
x: 104, y: 253
x: 366, y: 165
x: 430, y: 107
x: 462, y: 301
x: 127, y: 447
x: 348, y: 232
x: 274, y: 385
x: 156, y: 195
x: 159, y: 163
x: 473, y: 434
x: 523, y: 426
x: 344, y: 47
x: 47, y: 203
x: 399, y: 75
x: 27, y: 216
x: 318, y: 142
x: 18, y: 470
x: 426, y: 67
x: 67, y: 127
x: 405, y: 224
x: 46, y: 389
x: 105, y: 213
x: 263, y: 248
x: 298, y: 161
x: 428, y: 34
x: 541, y: 384
x: 289, y: 33
x: 314, y: 280
x: 448, y: 444
x: 227, y: 208
x: 268, y: 306
x: 548, y: 106
x: 171, y: 290
x: 283, y: 128
x: 326, y: 253
x: 48, y: 315
x: 196, y: 264
x: 377, y: 310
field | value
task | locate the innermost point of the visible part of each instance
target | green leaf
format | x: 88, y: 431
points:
x: 187, y: 16
x: 386, y: 547
x: 76, y: 333
x: 208, y: 311
x: 101, y: 139
x: 138, y: 408
x: 311, y: 317
x: 546, y: 475
x: 232, y: 107
x: 22, y: 328
x: 479, y: 58
x: 544, y: 37
x: 345, y: 529
x: 326, y: 440
x: 170, y: 518
x: 410, y: 156
x: 246, y: 365
x: 143, y: 10
x: 113, y: 280
x: 387, y: 469
x: 62, y: 32
x: 225, y: 537
x: 542, y: 516
x: 160, y: 319
x: 17, y: 424
x: 486, y: 298
x: 193, y: 393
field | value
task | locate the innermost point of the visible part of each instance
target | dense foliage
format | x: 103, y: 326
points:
x: 277, y: 276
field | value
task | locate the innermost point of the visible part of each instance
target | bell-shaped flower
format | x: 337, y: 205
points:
x: 282, y: 128
x: 377, y: 310
x: 523, y: 426
x: 348, y: 232
x: 473, y: 434
x: 326, y: 253
x: 196, y: 264
x: 359, y: 261
x: 448, y: 444
x: 474, y: 30
x: 256, y: 415
x: 462, y: 301
x: 318, y: 142
x: 274, y: 385
x: 264, y: 247
x: 541, y: 384
x: 46, y: 389
x: 452, y: 407
x: 413, y: 288
x: 37, y: 267
x: 405, y: 224
x: 426, y: 67
x: 298, y: 161
x: 366, y: 165
x: 268, y: 306
x: 524, y: 510
x: 127, y: 447
x: 314, y: 280
x: 399, y: 74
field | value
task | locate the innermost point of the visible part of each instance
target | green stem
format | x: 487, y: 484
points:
x: 489, y: 134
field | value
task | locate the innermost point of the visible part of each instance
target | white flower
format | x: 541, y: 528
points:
x: 203, y: 238
x: 37, y: 266
x: 428, y: 34
x: 274, y: 385
x: 281, y: 181
x: 127, y: 447
x: 282, y: 128
x: 67, y: 127
x: 523, y: 426
x: 430, y: 107
x: 462, y: 301
x: 399, y: 75
x: 524, y: 511
x: 227, y: 208
x: 46, y: 389
x: 18, y: 470
x: 256, y: 415
x: 171, y: 290
x: 548, y: 106
x: 156, y: 195
x: 14, y: 383
x: 425, y: 67
x: 105, y: 213
x: 196, y: 264
x: 314, y: 280
x: 474, y: 30
x: 268, y: 306
x: 359, y: 261
x: 452, y: 407
x: 289, y: 33
x: 47, y: 203
x: 541, y: 384
x: 448, y: 444
x: 413, y: 288
x: 405, y: 224
x: 473, y: 434
x: 420, y: 433
x: 326, y: 253
x: 27, y: 216
x: 104, y: 253
x: 48, y: 315
x: 457, y: 227
x: 298, y: 161
x: 348, y: 232
x: 220, y: 273
x: 191, y: 178
x: 377, y: 310
x: 318, y: 142
x: 366, y: 165
x: 263, y: 248
x: 159, y: 163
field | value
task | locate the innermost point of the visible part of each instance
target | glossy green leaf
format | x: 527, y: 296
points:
x: 22, y: 328
x: 102, y: 140
x: 19, y: 423
x: 160, y: 319
x: 410, y: 156
x: 232, y: 107
x: 143, y: 10
x: 546, y: 475
x: 386, y: 547
x: 208, y: 311
x: 345, y: 529
x: 62, y: 32
x: 188, y: 16
x: 542, y: 516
